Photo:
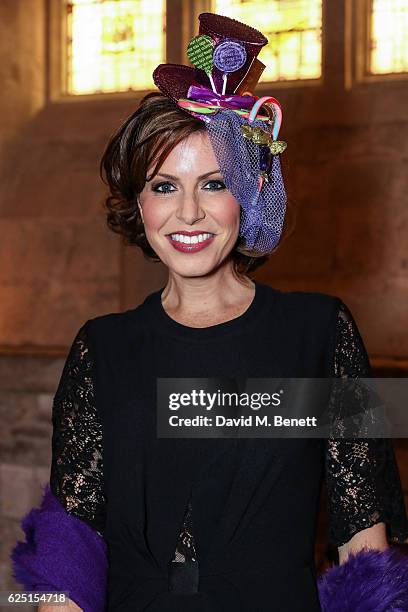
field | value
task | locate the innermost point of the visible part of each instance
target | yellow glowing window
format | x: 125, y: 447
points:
x: 293, y: 29
x: 113, y: 45
x: 388, y: 36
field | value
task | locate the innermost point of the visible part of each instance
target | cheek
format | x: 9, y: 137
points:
x: 227, y: 211
x: 153, y: 214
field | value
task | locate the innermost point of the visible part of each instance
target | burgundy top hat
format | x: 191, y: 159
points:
x: 174, y: 80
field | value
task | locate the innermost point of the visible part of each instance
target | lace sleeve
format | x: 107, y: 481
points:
x: 76, y: 477
x: 362, y: 477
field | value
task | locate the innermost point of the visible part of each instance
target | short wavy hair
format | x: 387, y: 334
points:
x: 145, y: 139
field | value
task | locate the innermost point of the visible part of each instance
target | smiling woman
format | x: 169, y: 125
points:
x: 147, y: 146
x: 209, y: 523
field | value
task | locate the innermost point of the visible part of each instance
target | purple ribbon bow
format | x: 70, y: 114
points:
x: 207, y: 96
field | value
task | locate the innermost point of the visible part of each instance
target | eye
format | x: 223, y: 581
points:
x: 215, y: 185
x: 163, y: 188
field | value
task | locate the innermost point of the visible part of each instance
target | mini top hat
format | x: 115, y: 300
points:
x: 223, y: 46
x: 217, y: 89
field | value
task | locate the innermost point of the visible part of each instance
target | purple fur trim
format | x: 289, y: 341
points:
x: 61, y: 553
x: 369, y: 581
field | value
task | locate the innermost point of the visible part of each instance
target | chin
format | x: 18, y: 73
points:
x: 192, y: 267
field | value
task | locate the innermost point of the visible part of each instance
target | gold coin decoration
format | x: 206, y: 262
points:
x: 260, y: 137
x: 277, y: 146
x: 256, y: 134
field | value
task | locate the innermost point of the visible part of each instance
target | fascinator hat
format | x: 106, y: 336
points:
x: 243, y: 129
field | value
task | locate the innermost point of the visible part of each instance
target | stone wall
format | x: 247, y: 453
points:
x: 27, y: 384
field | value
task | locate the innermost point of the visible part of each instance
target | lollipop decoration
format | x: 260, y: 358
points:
x: 229, y: 56
x: 200, y: 53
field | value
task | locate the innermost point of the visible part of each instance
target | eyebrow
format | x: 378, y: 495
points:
x: 175, y: 178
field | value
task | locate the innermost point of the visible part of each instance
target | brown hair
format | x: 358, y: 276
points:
x: 145, y: 138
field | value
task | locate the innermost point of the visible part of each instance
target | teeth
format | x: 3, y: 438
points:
x: 190, y: 239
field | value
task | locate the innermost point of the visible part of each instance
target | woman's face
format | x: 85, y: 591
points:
x: 190, y: 218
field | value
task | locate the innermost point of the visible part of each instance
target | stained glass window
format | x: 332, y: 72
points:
x: 113, y: 45
x: 293, y: 29
x: 388, y: 36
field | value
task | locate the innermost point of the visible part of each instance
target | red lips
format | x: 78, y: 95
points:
x: 190, y: 248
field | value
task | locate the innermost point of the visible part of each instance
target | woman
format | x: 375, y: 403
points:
x: 207, y: 524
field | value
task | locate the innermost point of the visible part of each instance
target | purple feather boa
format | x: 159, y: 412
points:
x: 369, y: 581
x: 61, y: 553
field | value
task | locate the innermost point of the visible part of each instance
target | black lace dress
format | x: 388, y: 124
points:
x: 361, y: 475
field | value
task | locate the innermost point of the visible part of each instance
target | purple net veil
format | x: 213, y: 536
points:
x: 262, y: 211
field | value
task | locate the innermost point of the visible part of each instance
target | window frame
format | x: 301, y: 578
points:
x: 57, y: 90
x: 359, y: 22
x: 181, y: 26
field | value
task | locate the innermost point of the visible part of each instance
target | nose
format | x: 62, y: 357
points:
x: 189, y: 210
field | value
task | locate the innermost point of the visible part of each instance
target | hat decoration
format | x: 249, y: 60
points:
x: 229, y: 56
x: 200, y: 54
x: 243, y: 129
